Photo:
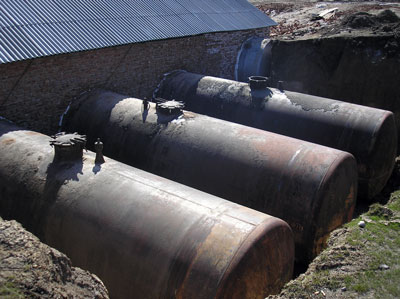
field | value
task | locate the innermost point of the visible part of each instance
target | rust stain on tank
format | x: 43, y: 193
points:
x: 8, y: 141
x: 336, y: 222
x: 209, y: 252
x: 351, y: 198
x: 33, y: 133
x: 269, y: 172
x: 320, y: 244
x: 188, y: 114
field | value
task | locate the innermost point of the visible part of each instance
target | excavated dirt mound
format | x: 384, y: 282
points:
x: 360, y: 261
x: 384, y: 22
x: 31, y: 269
x: 309, y: 19
x: 348, y: 51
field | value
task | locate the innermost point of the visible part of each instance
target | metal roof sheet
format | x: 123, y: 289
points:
x: 37, y: 28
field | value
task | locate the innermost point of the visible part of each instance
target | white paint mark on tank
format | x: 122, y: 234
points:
x: 294, y: 156
x: 178, y: 120
x: 62, y: 116
x: 162, y: 81
x: 281, y: 97
x: 238, y: 59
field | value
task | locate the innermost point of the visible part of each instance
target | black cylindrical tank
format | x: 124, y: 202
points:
x: 143, y: 235
x: 367, y: 133
x: 311, y: 187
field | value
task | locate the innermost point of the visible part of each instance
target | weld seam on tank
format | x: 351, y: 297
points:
x: 229, y: 100
x: 228, y: 153
x: 351, y: 196
x: 384, y: 176
x: 164, y: 77
x: 236, y: 70
x: 242, y: 245
x: 329, y: 171
x: 244, y: 249
x: 88, y: 225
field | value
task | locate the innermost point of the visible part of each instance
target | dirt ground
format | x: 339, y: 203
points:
x: 320, y: 19
x: 359, y: 262
x: 31, y: 269
x: 353, y: 55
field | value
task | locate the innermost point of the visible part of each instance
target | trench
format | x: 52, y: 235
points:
x: 360, y: 70
x: 363, y: 70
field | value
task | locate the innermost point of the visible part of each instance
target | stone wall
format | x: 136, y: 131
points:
x: 34, y: 93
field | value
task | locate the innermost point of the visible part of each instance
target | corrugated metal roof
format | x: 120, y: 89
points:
x: 36, y: 28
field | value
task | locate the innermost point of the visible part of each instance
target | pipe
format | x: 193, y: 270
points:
x: 143, y: 235
x: 367, y: 133
x: 311, y: 187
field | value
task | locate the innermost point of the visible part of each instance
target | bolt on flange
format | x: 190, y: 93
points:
x: 68, y: 147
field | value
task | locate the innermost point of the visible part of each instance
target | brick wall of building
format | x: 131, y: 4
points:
x: 35, y: 93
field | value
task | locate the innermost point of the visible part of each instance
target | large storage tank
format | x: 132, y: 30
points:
x: 143, y: 235
x: 367, y: 133
x: 311, y: 187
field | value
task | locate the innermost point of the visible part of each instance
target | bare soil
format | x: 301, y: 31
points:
x: 358, y: 262
x: 350, y: 54
x: 31, y: 269
x: 302, y: 19
x: 351, y: 265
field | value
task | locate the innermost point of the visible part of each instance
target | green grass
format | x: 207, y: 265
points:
x: 362, y: 249
x: 394, y: 201
x: 380, y: 242
x: 9, y: 290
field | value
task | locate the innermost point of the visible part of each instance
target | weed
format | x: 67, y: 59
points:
x: 394, y: 201
x: 357, y: 265
x: 9, y: 290
x: 379, y: 211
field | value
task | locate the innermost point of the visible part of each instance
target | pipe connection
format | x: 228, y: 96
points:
x: 68, y: 147
x: 258, y: 82
x: 170, y: 107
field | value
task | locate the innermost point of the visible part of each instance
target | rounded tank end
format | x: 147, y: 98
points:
x: 263, y: 264
x: 336, y: 196
x: 377, y: 167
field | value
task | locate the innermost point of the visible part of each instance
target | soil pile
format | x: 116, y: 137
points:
x: 385, y: 21
x: 309, y: 19
x: 348, y: 51
x: 361, y: 260
x: 31, y: 269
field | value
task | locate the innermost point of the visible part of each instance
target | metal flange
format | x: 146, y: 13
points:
x: 68, y: 146
x: 170, y: 107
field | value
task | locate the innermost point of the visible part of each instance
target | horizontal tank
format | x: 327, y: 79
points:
x: 311, y: 187
x: 367, y: 133
x: 143, y: 235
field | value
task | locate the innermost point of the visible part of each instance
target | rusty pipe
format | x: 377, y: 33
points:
x: 311, y: 187
x: 143, y: 235
x: 367, y: 133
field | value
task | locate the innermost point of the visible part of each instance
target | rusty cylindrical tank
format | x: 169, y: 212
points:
x: 143, y: 235
x: 367, y: 133
x: 309, y: 186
